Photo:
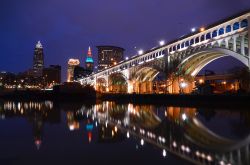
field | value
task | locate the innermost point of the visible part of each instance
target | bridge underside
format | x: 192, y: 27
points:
x: 146, y: 79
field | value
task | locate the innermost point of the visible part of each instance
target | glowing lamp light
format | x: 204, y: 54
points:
x: 126, y: 58
x: 201, y: 81
x: 193, y: 30
x: 202, y: 29
x: 140, y: 52
x: 183, y: 84
x: 162, y: 42
x: 184, y: 117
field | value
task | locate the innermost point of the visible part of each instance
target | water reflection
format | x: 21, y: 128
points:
x: 194, y: 134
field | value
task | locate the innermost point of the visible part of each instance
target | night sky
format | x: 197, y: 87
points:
x: 66, y: 28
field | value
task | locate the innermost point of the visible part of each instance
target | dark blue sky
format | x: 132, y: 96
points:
x: 66, y: 28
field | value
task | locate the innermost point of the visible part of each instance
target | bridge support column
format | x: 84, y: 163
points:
x: 130, y: 87
x: 234, y: 43
x: 226, y: 42
x: 242, y: 45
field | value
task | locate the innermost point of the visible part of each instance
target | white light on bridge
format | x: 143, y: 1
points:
x: 184, y: 117
x: 140, y: 52
x: 126, y: 58
x: 183, y: 84
x: 162, y: 42
x: 193, y: 30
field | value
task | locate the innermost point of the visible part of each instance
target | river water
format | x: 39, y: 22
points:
x: 41, y: 133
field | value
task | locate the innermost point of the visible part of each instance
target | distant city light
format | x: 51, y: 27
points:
x: 126, y: 58
x: 162, y: 42
x: 193, y: 30
x: 140, y: 52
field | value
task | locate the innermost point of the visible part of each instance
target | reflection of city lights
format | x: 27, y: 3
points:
x: 38, y: 143
x: 182, y: 147
x: 71, y: 127
x: 187, y: 149
x: 222, y: 162
x: 203, y: 155
x: 128, y: 135
x: 90, y: 136
x: 142, y: 142
x: 197, y: 153
x: 174, y: 144
x: 164, y: 153
x: 115, y: 129
x: 209, y: 158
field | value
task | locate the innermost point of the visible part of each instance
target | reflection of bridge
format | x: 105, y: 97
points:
x: 193, y: 142
x: 184, y: 57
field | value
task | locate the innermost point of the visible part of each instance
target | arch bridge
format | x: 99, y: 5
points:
x: 184, y: 57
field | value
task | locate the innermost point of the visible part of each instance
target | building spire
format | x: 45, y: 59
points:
x: 89, y: 52
x: 39, y: 45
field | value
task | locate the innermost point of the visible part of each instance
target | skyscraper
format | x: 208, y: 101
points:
x: 72, y: 63
x: 38, y: 60
x: 89, y: 61
x: 109, y: 56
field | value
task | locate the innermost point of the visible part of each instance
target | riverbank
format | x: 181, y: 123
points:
x: 40, y: 95
x: 226, y: 101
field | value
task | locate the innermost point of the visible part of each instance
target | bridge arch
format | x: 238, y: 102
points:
x: 101, y: 84
x: 144, y: 79
x: 117, y: 83
x: 197, y: 61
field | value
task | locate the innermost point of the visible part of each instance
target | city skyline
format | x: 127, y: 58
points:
x: 80, y: 29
